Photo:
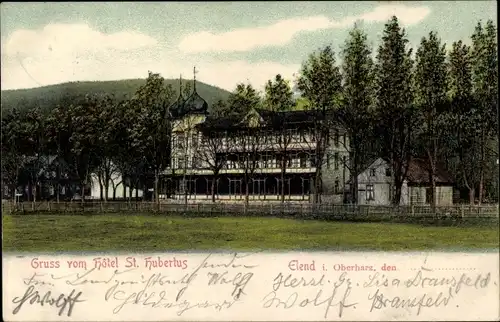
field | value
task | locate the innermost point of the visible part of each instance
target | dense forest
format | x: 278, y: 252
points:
x: 393, y: 101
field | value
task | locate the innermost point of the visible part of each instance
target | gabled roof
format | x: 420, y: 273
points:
x: 418, y: 172
x: 44, y: 162
x: 279, y: 119
x: 213, y: 122
x: 268, y: 119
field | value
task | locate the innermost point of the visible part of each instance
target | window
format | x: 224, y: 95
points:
x: 336, y: 187
x: 336, y: 161
x: 370, y: 192
x: 303, y: 160
x: 373, y: 172
x: 336, y: 138
x: 273, y: 164
x: 261, y: 162
x: 231, y: 164
x: 234, y: 186
x: 328, y: 157
x: 264, y: 160
x: 388, y: 172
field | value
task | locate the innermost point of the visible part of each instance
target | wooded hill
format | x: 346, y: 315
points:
x: 48, y: 97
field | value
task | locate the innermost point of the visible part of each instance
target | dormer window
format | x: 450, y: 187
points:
x: 373, y: 172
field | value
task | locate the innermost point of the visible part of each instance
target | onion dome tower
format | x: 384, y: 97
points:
x: 177, y: 107
x: 195, y: 104
x: 192, y: 105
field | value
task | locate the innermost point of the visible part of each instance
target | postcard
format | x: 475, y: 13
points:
x: 250, y: 161
x: 294, y: 286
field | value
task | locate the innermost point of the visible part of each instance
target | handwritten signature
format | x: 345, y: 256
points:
x: 295, y: 299
x: 145, y: 296
x: 62, y: 302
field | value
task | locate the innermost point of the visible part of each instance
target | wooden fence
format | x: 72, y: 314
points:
x: 334, y: 211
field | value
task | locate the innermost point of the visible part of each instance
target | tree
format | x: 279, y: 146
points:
x: 430, y: 97
x: 393, y: 100
x: 485, y: 90
x: 150, y: 133
x: 83, y: 153
x: 34, y: 133
x: 13, y: 158
x: 220, y: 109
x: 128, y: 159
x: 243, y: 99
x: 58, y: 136
x: 355, y: 112
x: 213, y: 153
x: 107, y: 143
x: 245, y: 149
x: 284, y: 139
x: 278, y: 96
x: 320, y: 82
x: 463, y: 122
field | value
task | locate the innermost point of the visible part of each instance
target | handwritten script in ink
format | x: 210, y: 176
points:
x: 245, y: 286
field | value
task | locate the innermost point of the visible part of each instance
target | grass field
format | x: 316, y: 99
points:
x: 114, y: 232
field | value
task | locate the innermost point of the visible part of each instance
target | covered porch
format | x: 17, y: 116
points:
x: 232, y: 187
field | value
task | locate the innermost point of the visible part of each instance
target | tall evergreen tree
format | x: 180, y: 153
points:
x: 243, y: 99
x: 485, y: 89
x: 394, y: 102
x: 463, y: 118
x: 151, y: 133
x: 356, y: 110
x: 278, y: 96
x: 431, y: 99
x: 320, y: 82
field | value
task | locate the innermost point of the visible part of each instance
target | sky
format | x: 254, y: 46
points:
x: 228, y: 42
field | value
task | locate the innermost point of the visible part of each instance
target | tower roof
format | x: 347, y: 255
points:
x: 179, y: 103
x: 194, y: 104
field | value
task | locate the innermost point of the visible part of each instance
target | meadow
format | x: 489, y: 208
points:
x: 51, y: 232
